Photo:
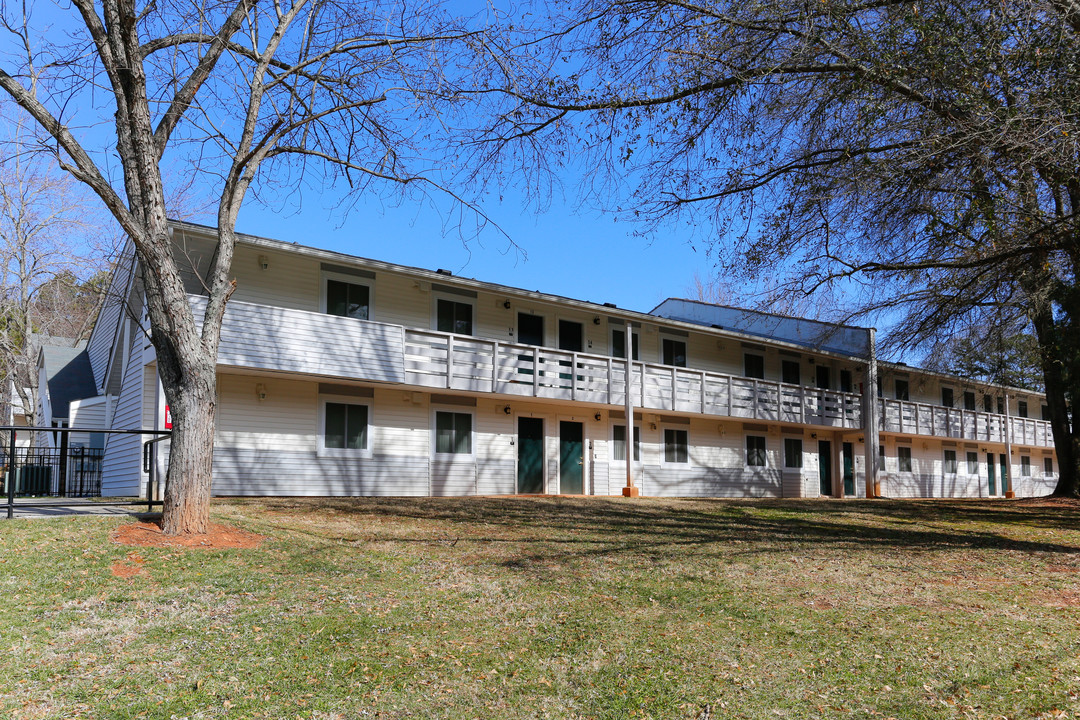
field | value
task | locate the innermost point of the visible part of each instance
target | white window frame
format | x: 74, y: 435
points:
x: 470, y: 301
x: 457, y: 410
x: 746, y: 452
x: 322, y: 450
x: 911, y: 460
x: 783, y: 460
x: 641, y: 442
x: 369, y: 283
x: 612, y: 329
x: 956, y: 462
x: 663, y: 445
x: 679, y: 339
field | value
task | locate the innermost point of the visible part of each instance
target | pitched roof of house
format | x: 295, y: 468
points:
x: 68, y: 372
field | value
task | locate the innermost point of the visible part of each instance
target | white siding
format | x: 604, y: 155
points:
x: 121, y: 472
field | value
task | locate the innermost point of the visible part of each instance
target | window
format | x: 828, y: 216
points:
x: 823, y: 377
x: 1001, y: 406
x: 675, y: 442
x: 1048, y: 466
x: 950, y: 462
x: 969, y: 400
x: 618, y: 443
x: 454, y: 317
x: 754, y: 366
x: 973, y: 463
x: 901, y: 387
x: 947, y: 397
x: 674, y: 352
x: 793, y: 452
x: 618, y: 344
x: 988, y: 404
x: 903, y: 458
x: 845, y: 381
x: 345, y: 426
x: 347, y: 299
x: 570, y: 336
x: 789, y: 372
x: 755, y: 451
x: 1045, y: 412
x: 530, y: 329
x: 1025, y: 466
x: 453, y: 433
x: 1021, y: 408
x: 880, y: 388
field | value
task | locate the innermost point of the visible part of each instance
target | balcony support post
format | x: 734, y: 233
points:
x: 870, y: 422
x: 449, y: 361
x: 1007, y: 480
x: 495, y: 367
x: 630, y: 490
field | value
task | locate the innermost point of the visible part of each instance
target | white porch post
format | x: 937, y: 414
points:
x: 870, y: 418
x: 1008, y: 489
x: 630, y: 490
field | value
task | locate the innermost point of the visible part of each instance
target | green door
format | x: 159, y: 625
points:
x: 571, y: 458
x: 990, y: 473
x: 1004, y: 474
x: 825, y: 467
x: 530, y: 472
x: 849, y: 469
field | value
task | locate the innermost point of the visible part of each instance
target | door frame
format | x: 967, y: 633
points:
x: 585, y: 463
x: 543, y: 449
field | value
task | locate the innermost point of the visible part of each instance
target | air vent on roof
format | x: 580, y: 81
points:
x: 444, y: 272
x: 610, y: 305
x: 717, y: 327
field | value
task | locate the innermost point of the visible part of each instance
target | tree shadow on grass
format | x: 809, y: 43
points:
x: 564, y: 528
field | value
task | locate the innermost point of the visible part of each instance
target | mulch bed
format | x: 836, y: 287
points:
x: 149, y: 534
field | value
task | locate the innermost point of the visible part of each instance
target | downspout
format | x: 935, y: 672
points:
x: 870, y: 418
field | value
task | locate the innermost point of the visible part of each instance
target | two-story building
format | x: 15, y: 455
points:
x: 339, y: 375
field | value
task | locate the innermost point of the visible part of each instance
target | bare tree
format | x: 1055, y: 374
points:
x: 919, y: 157
x: 247, y: 96
x: 45, y: 285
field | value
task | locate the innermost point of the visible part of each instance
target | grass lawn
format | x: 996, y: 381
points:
x: 552, y: 608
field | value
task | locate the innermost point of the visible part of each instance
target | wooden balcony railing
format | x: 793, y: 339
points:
x: 911, y: 418
x: 456, y: 362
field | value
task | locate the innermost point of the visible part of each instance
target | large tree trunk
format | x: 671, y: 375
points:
x: 186, y: 509
x: 1060, y: 385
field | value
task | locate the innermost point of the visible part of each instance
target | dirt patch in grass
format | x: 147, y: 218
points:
x: 130, y: 566
x: 149, y: 534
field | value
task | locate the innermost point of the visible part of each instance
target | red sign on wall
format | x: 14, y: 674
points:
x: 168, y: 418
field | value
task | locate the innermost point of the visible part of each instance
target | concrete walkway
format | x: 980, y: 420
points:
x: 68, y: 507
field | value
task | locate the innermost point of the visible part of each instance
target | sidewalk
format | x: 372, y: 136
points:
x: 69, y: 507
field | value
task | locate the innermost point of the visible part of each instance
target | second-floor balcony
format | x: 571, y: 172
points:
x: 912, y: 418
x: 297, y: 341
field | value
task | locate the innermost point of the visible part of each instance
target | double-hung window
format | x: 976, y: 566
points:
x: 755, y: 451
x: 950, y: 462
x: 618, y: 443
x: 454, y: 317
x: 453, y: 433
x: 973, y: 463
x: 675, y: 446
x: 618, y: 344
x: 903, y: 459
x: 754, y: 366
x: 345, y: 427
x: 348, y: 299
x: 793, y: 452
x: 1025, y: 466
x: 1048, y: 466
x: 674, y: 352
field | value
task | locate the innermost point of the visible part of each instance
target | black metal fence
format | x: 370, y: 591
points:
x: 69, y: 463
x: 47, y: 472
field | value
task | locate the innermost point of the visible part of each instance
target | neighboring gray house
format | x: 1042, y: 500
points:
x: 340, y: 375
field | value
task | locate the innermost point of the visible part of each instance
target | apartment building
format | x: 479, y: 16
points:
x: 339, y: 375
